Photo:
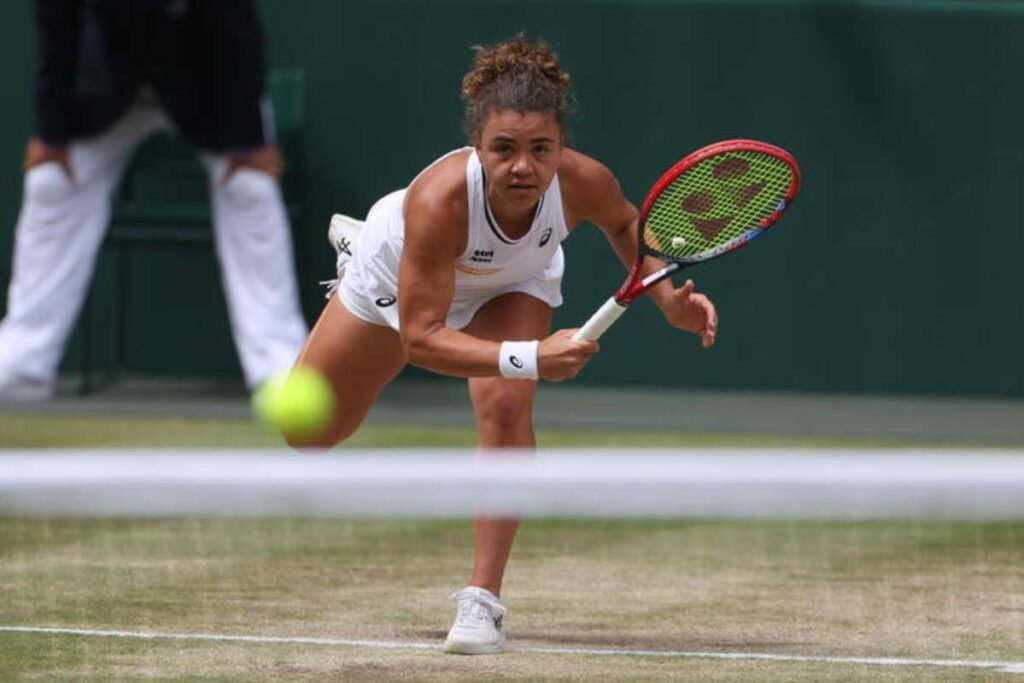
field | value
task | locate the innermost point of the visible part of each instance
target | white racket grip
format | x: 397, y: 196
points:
x: 600, y: 321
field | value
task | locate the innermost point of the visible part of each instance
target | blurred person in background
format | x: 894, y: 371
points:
x: 110, y: 74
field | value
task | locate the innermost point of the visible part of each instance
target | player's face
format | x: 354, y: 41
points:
x: 520, y: 154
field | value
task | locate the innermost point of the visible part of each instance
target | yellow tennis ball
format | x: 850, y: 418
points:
x: 299, y: 403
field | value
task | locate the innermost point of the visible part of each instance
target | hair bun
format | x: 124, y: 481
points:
x: 512, y: 55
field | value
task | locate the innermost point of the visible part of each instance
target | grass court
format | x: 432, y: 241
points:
x: 337, y: 599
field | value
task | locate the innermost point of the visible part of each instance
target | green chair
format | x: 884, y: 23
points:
x: 162, y: 200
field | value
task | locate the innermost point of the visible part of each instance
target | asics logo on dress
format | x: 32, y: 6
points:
x: 386, y: 301
x: 343, y: 245
x: 545, y: 236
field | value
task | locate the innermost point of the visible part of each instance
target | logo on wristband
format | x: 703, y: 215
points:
x: 518, y: 359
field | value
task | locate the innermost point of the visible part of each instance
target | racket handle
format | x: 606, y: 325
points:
x: 600, y: 321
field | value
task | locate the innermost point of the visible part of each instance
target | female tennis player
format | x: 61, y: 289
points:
x: 459, y: 273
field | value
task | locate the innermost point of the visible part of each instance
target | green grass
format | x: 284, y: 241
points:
x: 918, y: 590
x: 63, y: 431
x: 941, y: 591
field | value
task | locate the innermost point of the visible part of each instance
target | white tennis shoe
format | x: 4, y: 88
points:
x: 477, y: 627
x: 343, y: 234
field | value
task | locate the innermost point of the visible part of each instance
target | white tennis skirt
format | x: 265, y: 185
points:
x: 369, y: 288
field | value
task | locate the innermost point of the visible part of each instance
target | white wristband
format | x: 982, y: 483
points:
x: 518, y: 359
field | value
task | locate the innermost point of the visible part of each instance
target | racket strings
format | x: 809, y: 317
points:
x: 716, y: 203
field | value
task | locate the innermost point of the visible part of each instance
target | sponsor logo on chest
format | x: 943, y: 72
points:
x: 482, y: 256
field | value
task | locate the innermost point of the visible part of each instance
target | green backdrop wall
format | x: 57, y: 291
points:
x: 896, y: 270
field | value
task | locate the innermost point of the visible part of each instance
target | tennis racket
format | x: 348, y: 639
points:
x: 711, y: 203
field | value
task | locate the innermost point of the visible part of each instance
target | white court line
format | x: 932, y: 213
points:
x: 1004, y: 667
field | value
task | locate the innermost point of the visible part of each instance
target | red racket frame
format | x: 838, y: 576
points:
x: 636, y: 285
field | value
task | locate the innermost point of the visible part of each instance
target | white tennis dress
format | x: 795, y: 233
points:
x: 492, y: 264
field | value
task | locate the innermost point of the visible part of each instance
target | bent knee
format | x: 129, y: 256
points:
x: 504, y: 405
x: 306, y: 442
x: 338, y: 432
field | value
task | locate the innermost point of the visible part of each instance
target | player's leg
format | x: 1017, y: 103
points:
x: 254, y: 247
x: 504, y: 415
x: 61, y: 225
x: 359, y: 359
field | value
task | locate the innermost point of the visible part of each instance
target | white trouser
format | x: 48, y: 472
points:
x: 62, y: 224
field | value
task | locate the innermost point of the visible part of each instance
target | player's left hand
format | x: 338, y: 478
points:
x: 693, y: 312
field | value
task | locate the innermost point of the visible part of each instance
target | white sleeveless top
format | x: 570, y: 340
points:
x: 492, y: 263
x: 493, y: 259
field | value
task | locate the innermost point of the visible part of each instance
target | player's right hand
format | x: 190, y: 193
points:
x: 560, y: 357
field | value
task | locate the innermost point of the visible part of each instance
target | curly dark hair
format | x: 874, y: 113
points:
x: 514, y: 75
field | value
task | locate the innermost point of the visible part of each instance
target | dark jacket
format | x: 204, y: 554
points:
x: 203, y: 58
